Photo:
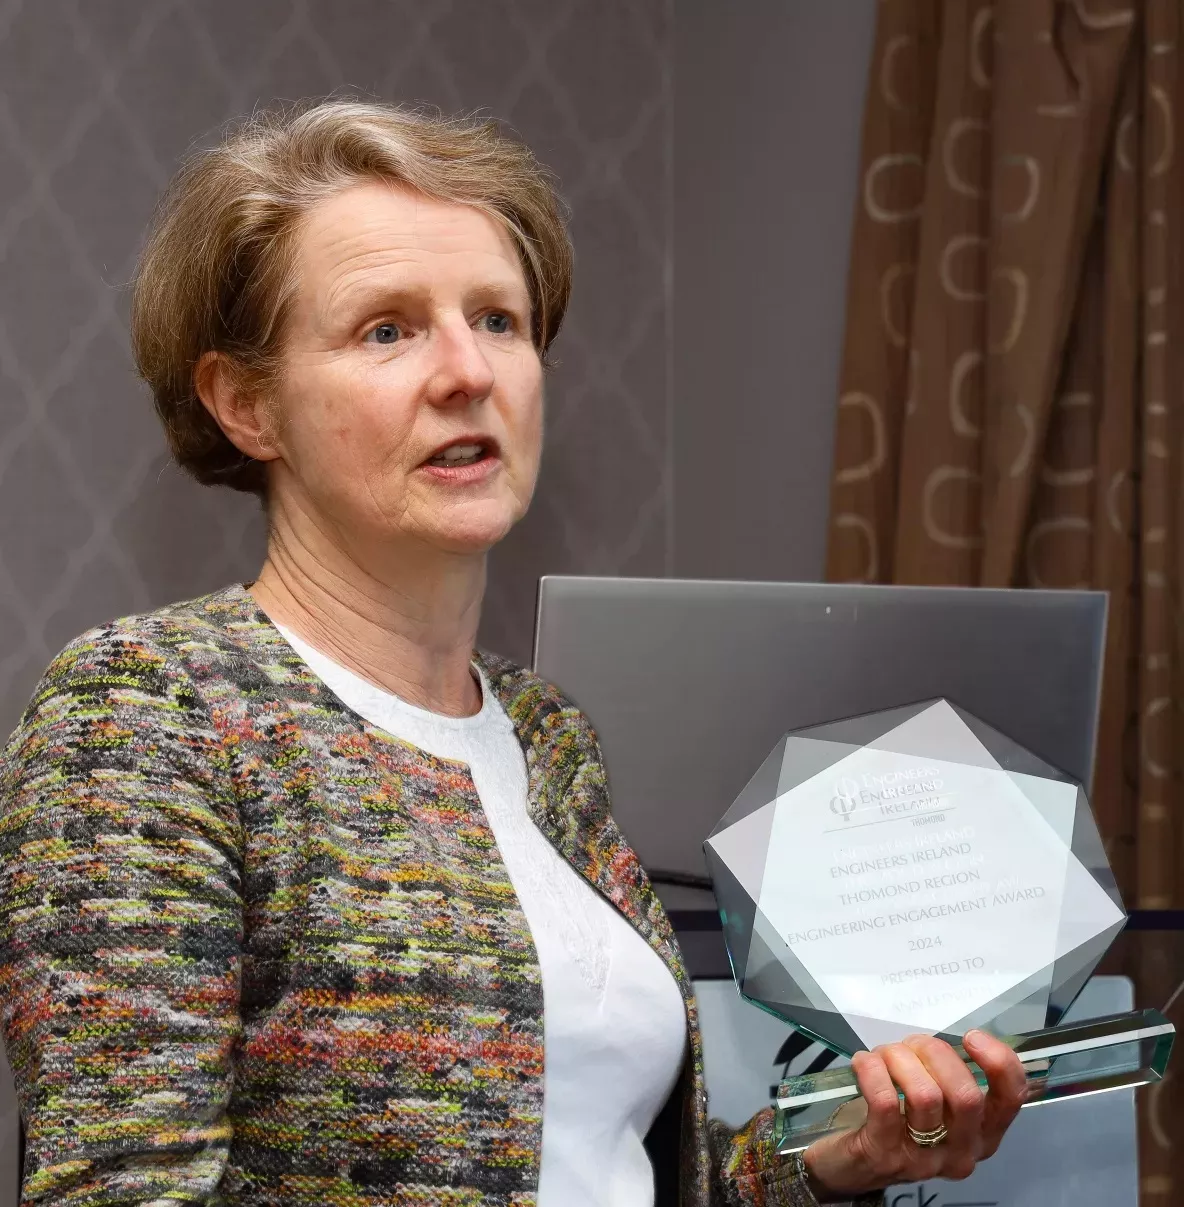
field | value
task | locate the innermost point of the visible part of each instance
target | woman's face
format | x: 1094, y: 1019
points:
x: 411, y: 405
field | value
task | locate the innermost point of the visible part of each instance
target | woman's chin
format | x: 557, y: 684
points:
x: 471, y: 539
x: 468, y: 526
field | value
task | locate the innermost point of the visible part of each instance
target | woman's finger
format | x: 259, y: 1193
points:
x: 1006, y: 1081
x: 883, y: 1131
x: 924, y: 1103
x: 964, y: 1104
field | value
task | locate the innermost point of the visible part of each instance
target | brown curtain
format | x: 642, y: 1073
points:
x: 1011, y: 401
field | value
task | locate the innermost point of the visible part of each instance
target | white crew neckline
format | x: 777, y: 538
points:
x: 311, y: 657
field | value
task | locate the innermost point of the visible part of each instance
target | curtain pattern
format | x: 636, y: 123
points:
x: 1010, y: 403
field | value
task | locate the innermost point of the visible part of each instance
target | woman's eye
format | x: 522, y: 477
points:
x: 384, y: 333
x: 497, y: 323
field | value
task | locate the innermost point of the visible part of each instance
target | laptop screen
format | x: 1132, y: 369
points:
x: 690, y: 684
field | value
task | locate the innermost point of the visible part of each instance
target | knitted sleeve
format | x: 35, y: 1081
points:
x: 120, y: 929
x: 749, y: 1174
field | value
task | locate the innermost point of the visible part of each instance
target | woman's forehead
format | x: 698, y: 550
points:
x: 374, y: 229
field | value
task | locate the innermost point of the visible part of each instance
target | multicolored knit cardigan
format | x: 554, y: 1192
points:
x: 254, y: 950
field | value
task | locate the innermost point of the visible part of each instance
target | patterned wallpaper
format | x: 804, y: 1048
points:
x: 96, y: 103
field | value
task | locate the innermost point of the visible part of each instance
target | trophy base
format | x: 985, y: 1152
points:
x: 1088, y: 1057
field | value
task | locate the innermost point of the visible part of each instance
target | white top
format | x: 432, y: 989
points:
x: 614, y: 1027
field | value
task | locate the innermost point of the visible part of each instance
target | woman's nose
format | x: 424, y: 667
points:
x: 461, y: 372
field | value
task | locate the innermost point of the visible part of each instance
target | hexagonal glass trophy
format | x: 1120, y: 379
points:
x: 914, y: 870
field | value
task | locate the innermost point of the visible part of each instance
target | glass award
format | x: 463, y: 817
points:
x: 916, y: 871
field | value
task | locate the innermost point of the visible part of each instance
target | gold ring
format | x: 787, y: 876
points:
x: 927, y: 1139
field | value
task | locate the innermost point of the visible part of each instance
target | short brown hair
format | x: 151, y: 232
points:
x: 216, y: 271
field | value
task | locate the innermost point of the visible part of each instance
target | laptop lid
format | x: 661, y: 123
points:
x: 690, y: 684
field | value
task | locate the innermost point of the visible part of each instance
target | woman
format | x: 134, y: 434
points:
x: 287, y: 872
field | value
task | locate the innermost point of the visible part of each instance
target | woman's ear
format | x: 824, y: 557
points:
x: 244, y: 416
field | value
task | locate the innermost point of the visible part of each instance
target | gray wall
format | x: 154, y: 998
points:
x: 689, y: 430
x: 690, y: 438
x: 766, y: 166
x: 97, y: 100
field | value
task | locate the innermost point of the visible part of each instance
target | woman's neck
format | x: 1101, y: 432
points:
x: 407, y: 623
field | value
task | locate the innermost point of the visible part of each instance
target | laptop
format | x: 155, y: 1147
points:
x: 690, y: 684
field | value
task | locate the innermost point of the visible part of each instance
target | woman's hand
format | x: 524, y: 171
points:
x: 939, y: 1091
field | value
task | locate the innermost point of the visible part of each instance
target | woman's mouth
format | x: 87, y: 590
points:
x: 457, y: 455
x: 464, y: 462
